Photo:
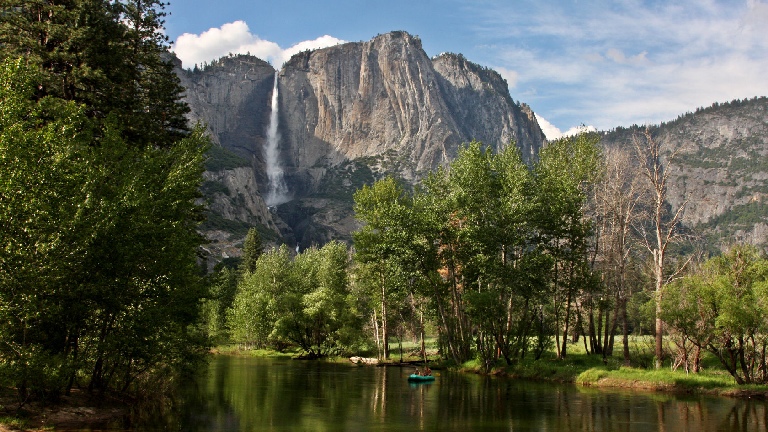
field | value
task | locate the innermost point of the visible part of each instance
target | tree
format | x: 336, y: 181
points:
x: 665, y: 224
x: 320, y: 319
x: 256, y: 306
x: 493, y: 261
x: 110, y: 56
x: 223, y: 284
x: 252, y: 250
x: 304, y: 302
x: 722, y: 309
x: 381, y: 246
x: 565, y: 173
x: 617, y: 197
x: 100, y: 283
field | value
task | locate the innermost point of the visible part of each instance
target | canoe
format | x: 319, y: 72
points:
x: 420, y: 378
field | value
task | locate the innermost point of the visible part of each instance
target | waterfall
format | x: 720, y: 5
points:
x: 278, y: 190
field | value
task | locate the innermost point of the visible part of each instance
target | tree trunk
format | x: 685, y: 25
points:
x: 625, y: 332
x: 384, y: 326
x: 659, y: 273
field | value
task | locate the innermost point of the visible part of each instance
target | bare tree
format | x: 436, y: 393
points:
x: 616, y: 202
x: 665, y: 223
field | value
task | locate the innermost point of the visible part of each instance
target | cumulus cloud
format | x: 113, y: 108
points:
x: 553, y: 133
x: 236, y: 38
x: 509, y: 75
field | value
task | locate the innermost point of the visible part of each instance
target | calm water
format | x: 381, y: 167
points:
x: 247, y: 394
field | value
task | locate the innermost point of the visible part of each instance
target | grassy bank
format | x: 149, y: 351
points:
x: 578, y: 368
x: 594, y: 371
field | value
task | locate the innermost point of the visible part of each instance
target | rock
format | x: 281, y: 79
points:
x: 364, y: 360
x: 719, y: 169
x: 348, y: 115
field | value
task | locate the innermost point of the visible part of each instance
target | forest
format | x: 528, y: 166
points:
x: 100, y: 289
x: 503, y: 262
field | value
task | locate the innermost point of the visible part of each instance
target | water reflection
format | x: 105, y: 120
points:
x: 246, y: 394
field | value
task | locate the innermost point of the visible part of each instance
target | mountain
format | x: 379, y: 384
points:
x: 353, y: 113
x: 348, y: 115
x: 720, y: 168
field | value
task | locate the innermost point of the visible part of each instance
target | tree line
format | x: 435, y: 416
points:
x: 505, y: 261
x: 99, y: 177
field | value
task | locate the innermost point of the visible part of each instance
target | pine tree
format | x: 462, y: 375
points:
x: 252, y: 250
x: 97, y: 154
x: 110, y: 56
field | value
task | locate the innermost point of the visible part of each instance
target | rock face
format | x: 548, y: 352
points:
x: 352, y: 113
x: 348, y: 115
x: 720, y: 169
x: 367, y: 99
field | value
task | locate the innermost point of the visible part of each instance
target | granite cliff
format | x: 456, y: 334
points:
x: 352, y: 113
x: 348, y: 115
x: 720, y: 169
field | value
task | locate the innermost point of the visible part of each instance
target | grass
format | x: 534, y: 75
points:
x: 705, y: 380
x: 14, y: 423
x: 578, y: 367
x: 591, y: 370
x: 236, y: 349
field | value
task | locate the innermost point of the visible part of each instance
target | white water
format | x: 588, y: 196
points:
x: 278, y: 190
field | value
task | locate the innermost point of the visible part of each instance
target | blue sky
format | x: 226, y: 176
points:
x: 575, y: 62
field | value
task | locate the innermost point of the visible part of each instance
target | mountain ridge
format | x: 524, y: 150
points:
x: 348, y: 114
x: 355, y: 112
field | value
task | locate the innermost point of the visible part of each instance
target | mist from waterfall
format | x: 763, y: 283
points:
x: 278, y: 190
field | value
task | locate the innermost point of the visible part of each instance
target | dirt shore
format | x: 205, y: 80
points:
x: 74, y: 412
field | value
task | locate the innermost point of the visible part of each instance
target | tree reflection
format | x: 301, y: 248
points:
x: 242, y: 394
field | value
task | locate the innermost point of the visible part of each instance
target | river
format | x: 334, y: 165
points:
x: 253, y: 394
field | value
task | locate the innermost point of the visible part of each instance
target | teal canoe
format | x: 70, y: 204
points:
x: 420, y: 378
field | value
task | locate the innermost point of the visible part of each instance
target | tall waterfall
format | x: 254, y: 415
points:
x: 278, y: 190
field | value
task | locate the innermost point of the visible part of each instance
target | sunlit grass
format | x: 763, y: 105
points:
x: 14, y: 422
x: 577, y: 366
x: 592, y: 370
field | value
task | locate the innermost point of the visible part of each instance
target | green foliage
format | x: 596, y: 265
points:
x: 388, y: 249
x: 210, y: 187
x: 303, y: 302
x: 99, y: 175
x: 220, y: 159
x: 252, y: 250
x: 255, y: 308
x: 477, y: 245
x: 214, y: 221
x: 215, y: 309
x: 744, y: 217
x: 342, y: 182
x: 109, y: 56
x: 722, y: 309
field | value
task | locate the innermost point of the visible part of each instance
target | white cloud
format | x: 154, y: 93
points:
x: 552, y: 132
x: 321, y: 42
x: 509, y: 75
x: 579, y: 129
x: 629, y: 62
x: 618, y: 56
x: 236, y: 38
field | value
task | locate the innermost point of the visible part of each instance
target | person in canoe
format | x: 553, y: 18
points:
x: 427, y: 371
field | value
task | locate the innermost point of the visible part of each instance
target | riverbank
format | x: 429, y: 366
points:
x: 79, y: 411
x: 74, y: 412
x: 580, y: 369
x: 592, y: 371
